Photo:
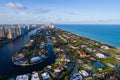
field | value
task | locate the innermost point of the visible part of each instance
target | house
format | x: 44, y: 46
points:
x: 35, y: 59
x: 76, y: 76
x: 49, y: 67
x: 58, y: 49
x: 89, y: 78
x: 89, y: 49
x: 80, y: 61
x: 82, y: 54
x: 35, y: 76
x: 117, y: 57
x: 100, y: 55
x: 58, y: 69
x: 84, y: 73
x: 105, y: 47
x: 45, y: 76
x: 42, y: 56
x: 20, y: 56
x: 67, y: 60
x: 83, y: 46
x: 86, y: 66
x: 42, y: 51
x: 73, y: 47
x: 22, y: 77
x: 23, y: 61
x: 31, y: 40
x: 41, y: 46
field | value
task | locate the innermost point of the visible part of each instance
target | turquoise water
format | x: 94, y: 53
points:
x: 109, y: 34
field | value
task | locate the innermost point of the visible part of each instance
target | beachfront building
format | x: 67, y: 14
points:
x: 45, y: 76
x: 105, y: 47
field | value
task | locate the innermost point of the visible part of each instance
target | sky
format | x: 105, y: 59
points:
x: 60, y: 11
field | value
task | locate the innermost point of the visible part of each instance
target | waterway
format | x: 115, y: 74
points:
x: 7, y: 68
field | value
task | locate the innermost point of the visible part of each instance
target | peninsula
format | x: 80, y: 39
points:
x: 77, y: 58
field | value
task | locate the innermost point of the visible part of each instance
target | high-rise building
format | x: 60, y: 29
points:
x: 2, y: 32
x: 18, y: 30
x: 28, y: 27
x: 51, y: 26
x: 12, y: 33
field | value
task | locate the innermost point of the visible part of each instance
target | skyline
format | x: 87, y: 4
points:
x: 63, y: 11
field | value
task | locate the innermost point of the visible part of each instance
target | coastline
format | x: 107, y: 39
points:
x: 110, y: 45
x: 108, y: 34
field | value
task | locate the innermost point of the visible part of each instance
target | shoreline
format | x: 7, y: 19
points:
x: 110, y: 45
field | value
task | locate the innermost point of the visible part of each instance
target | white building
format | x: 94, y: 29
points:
x: 105, y: 47
x: 45, y: 76
x: 76, y: 77
x: 84, y: 73
x: 100, y: 55
x: 35, y: 59
x: 35, y: 76
x: 51, y: 26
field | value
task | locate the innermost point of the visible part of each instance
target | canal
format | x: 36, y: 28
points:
x: 7, y: 68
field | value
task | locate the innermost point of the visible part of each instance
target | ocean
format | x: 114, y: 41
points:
x: 109, y: 34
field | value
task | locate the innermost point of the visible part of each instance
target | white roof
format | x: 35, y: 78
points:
x: 35, y: 76
x: 104, y: 47
x: 22, y: 77
x: 100, y: 55
x: 35, y: 59
x: 83, y: 72
x: 45, y: 75
x: 57, y: 70
x: 76, y: 77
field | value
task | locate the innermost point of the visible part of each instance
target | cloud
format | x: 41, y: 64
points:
x: 42, y: 11
x: 15, y: 5
x: 21, y: 13
x: 72, y: 13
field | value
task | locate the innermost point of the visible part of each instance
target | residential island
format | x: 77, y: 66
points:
x: 34, y: 51
x: 77, y: 57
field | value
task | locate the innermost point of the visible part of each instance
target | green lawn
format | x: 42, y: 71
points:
x: 112, y: 51
x: 110, y: 60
